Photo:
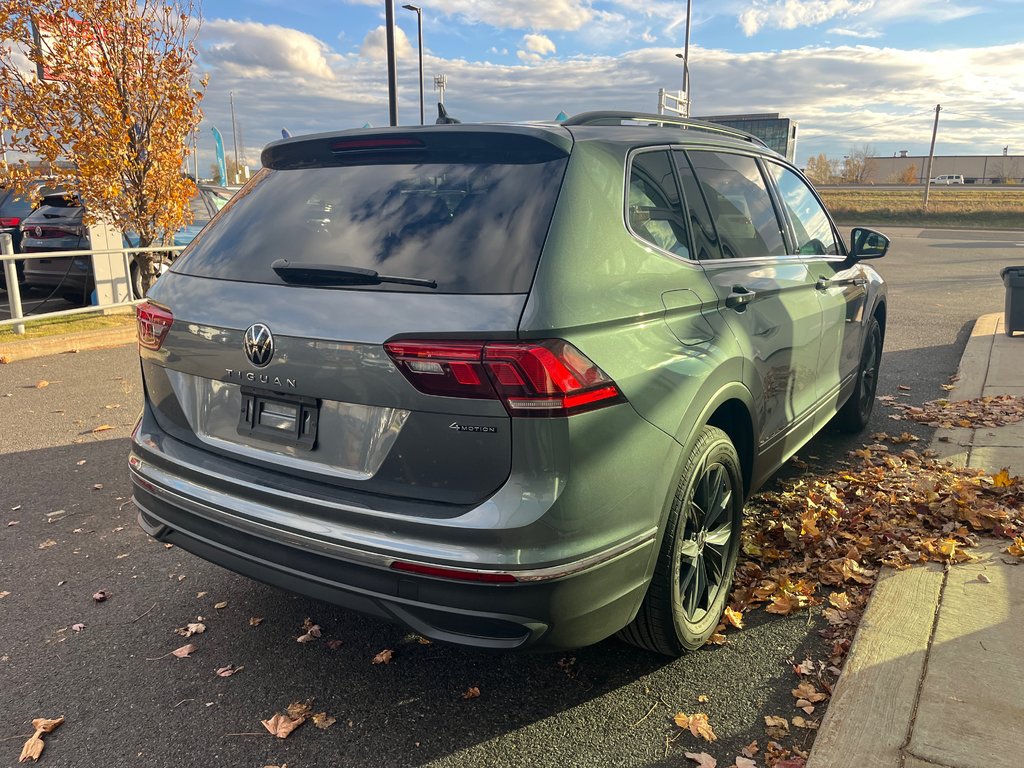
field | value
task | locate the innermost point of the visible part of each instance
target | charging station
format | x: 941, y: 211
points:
x: 109, y: 269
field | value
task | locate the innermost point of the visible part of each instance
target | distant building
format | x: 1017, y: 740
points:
x: 779, y: 133
x: 976, y: 169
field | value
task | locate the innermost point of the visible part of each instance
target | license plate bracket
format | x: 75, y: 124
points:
x: 284, y: 419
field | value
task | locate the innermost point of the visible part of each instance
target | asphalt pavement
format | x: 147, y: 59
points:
x: 127, y: 702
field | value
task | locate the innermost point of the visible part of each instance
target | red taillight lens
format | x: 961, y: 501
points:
x: 153, y: 323
x: 546, y: 378
x: 487, y: 577
x: 9, y: 221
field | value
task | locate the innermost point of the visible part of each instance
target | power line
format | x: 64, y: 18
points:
x: 984, y: 119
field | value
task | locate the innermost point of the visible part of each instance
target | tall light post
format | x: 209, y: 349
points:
x: 419, y: 30
x: 389, y: 30
x: 685, y: 56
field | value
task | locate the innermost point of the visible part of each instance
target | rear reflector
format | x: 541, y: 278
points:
x: 153, y: 323
x: 488, y: 577
x: 544, y: 378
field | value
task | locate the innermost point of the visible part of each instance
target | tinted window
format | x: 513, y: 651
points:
x: 655, y: 214
x: 473, y: 228
x: 814, y: 233
x: 739, y: 202
x: 705, y: 239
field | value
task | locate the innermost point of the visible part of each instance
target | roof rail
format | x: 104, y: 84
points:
x: 612, y: 117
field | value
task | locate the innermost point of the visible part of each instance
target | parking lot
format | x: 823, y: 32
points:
x: 68, y: 533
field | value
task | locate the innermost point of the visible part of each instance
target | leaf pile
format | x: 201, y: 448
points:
x: 989, y: 411
x: 823, y: 537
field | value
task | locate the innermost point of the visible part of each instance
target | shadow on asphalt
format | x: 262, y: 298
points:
x: 607, y: 704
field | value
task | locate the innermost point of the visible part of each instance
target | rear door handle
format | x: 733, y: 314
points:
x: 739, y: 297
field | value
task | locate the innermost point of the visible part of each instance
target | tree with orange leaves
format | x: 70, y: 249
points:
x: 103, y: 93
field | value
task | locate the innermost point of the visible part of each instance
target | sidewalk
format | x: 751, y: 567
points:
x: 935, y: 676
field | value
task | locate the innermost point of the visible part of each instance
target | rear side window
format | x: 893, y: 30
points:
x: 740, y: 205
x: 655, y: 213
x: 705, y: 239
x: 471, y: 227
x: 814, y: 234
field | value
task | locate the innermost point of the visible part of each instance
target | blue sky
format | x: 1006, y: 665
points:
x: 851, y: 72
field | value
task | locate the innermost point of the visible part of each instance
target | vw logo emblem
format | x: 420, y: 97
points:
x: 258, y: 344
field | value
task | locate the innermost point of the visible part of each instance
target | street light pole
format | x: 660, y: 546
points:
x: 389, y: 21
x: 686, y: 63
x: 419, y: 31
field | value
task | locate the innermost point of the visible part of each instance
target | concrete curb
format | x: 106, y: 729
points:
x: 914, y: 647
x: 69, y: 342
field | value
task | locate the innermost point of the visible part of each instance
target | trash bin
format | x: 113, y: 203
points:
x: 1013, y: 316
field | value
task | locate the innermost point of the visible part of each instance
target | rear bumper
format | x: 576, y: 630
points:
x: 565, y: 606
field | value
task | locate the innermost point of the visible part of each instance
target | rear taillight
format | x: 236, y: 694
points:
x: 9, y: 221
x: 153, y: 323
x: 545, y: 378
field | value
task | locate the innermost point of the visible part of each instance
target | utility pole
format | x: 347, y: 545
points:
x: 931, y: 156
x: 686, y: 64
x: 234, y: 131
x: 389, y: 21
x: 419, y: 35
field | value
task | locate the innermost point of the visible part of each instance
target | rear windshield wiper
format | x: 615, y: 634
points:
x: 331, y: 274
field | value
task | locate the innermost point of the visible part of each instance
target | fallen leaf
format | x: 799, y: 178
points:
x: 195, y: 628
x: 47, y: 544
x: 703, y: 699
x: 744, y: 762
x: 323, y: 721
x: 102, y: 428
x: 697, y: 724
x: 33, y: 748
x: 184, y: 651
x: 750, y: 750
x: 984, y: 579
x: 77, y: 627
x: 101, y: 595
x: 776, y: 727
x: 282, y: 725
x: 97, y: 486
x: 255, y: 621
x: 300, y: 709
x: 4, y: 594
x: 702, y: 759
x: 384, y: 656
x: 42, y: 383
x: 806, y: 690
x: 306, y: 638
x: 221, y: 605
x: 800, y: 722
x: 471, y: 693
x: 734, y: 617
x: 228, y: 671
x: 1002, y: 479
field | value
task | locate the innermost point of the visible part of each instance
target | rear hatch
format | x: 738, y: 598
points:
x: 330, y: 322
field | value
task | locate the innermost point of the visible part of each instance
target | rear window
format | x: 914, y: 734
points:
x: 471, y: 227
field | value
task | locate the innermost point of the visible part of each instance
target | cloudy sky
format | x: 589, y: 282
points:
x: 851, y: 72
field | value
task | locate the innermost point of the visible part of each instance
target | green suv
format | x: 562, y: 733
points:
x: 506, y: 385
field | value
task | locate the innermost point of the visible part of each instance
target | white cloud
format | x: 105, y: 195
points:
x: 264, y: 49
x: 514, y: 14
x: 859, y: 32
x: 791, y: 14
x: 375, y: 46
x: 538, y: 44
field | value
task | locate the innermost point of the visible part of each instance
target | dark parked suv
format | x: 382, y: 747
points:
x: 507, y: 385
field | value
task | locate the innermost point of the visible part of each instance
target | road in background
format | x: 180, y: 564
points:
x: 65, y: 488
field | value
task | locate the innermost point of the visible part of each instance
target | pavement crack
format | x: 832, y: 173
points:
x: 904, y: 747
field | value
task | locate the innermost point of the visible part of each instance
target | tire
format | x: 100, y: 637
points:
x: 856, y: 411
x: 135, y: 275
x: 695, y: 568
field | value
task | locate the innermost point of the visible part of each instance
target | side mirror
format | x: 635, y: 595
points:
x: 867, y: 244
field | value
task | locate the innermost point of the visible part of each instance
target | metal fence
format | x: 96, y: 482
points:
x: 8, y: 257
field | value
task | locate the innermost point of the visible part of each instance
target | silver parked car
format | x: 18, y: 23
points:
x: 505, y: 385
